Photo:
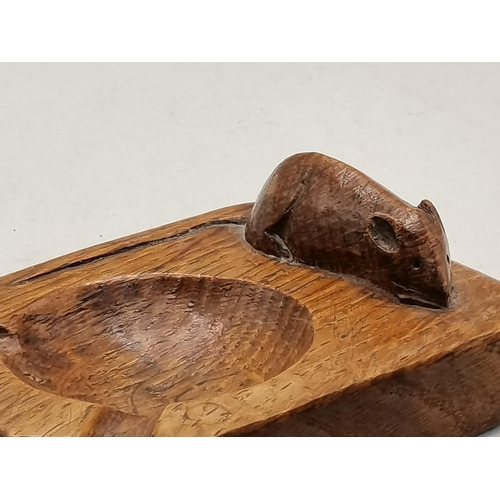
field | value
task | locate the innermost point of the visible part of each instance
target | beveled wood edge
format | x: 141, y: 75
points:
x: 235, y: 214
x: 239, y: 213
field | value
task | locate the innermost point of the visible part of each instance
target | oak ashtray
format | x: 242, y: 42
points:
x: 328, y: 308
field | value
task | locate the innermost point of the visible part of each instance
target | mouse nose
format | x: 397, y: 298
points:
x: 445, y: 284
x: 442, y: 297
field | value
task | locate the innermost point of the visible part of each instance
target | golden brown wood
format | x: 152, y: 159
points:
x: 319, y: 211
x: 186, y: 330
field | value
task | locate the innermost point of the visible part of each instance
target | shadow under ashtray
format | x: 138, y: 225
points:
x: 138, y: 344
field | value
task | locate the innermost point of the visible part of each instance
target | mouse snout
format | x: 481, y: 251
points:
x: 439, y: 285
x: 441, y: 295
x: 445, y: 282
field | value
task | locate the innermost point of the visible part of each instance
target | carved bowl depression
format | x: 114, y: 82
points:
x: 138, y: 344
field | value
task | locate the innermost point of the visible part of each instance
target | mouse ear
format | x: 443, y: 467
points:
x: 429, y: 208
x: 381, y: 230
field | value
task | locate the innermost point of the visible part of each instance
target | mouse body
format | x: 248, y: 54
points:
x: 321, y: 212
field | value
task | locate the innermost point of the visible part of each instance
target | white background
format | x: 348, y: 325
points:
x: 92, y: 152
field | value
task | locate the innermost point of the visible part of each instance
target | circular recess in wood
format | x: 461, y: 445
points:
x: 138, y: 344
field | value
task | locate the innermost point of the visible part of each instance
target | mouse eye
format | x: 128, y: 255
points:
x: 417, y: 264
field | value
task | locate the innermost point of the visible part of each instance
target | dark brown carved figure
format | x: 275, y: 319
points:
x: 318, y: 211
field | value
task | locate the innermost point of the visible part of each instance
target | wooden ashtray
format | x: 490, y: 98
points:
x: 328, y: 308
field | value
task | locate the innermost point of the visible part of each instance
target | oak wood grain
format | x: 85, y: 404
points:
x: 368, y: 357
x: 330, y: 307
x: 322, y: 212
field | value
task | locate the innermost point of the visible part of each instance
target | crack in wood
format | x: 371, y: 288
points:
x: 129, y: 248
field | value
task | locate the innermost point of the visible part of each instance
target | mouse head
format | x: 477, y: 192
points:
x: 412, y: 249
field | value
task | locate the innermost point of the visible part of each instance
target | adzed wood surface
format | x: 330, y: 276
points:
x: 373, y: 366
x: 234, y: 323
x: 319, y: 211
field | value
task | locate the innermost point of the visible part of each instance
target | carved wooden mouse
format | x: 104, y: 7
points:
x: 321, y: 212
